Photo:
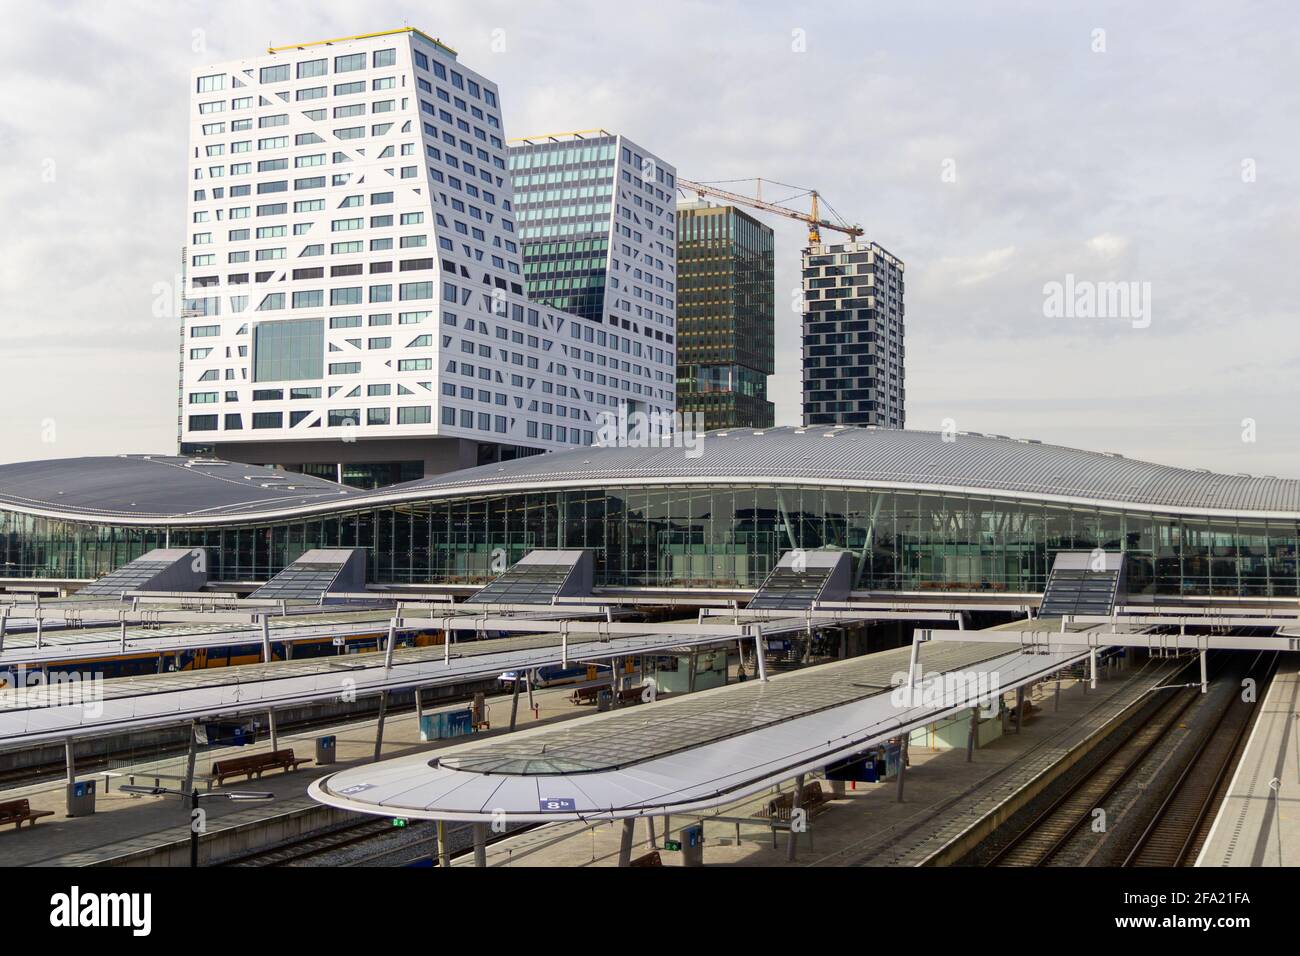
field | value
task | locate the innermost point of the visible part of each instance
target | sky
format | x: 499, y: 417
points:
x: 1018, y: 156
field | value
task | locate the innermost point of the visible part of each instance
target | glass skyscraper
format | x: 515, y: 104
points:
x: 725, y: 316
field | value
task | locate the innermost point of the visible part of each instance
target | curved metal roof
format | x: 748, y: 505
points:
x: 138, y: 487
x: 135, y: 489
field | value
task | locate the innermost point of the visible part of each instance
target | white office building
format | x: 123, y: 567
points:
x: 355, y: 304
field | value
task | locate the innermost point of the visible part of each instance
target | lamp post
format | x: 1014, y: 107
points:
x: 195, y: 796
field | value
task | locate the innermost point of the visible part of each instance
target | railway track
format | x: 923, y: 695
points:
x: 1181, y: 823
x: 413, y: 842
x: 1048, y: 833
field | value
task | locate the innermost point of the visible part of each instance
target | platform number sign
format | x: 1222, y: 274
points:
x: 556, y: 804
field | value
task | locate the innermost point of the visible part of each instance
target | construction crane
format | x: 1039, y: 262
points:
x: 815, y: 223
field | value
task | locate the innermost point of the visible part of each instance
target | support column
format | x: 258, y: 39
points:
x: 1205, y: 684
x: 792, y: 847
x: 392, y: 642
x: 40, y: 627
x: 379, y: 729
x: 275, y: 736
x: 528, y: 682
x: 972, y: 736
x: 191, y: 756
x: 4, y: 623
x: 759, y: 654
x: 913, y: 670
x: 71, y: 772
x: 266, y: 638
x: 514, y: 699
x: 444, y: 849
x: 902, y: 766
x: 650, y: 825
x: 1020, y: 706
x: 1056, y: 703
x: 419, y: 706
x: 625, y: 844
x: 122, y: 640
x: 690, y: 674
x: 480, y: 844
x: 1092, y: 667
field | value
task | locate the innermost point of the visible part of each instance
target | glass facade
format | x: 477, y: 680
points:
x: 722, y: 536
x: 563, y: 196
x: 725, y: 316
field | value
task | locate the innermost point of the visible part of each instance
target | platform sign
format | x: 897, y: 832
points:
x: 355, y: 788
x: 672, y: 844
x: 399, y: 822
x: 556, y: 804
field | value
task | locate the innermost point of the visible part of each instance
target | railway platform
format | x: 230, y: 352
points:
x: 1258, y: 823
x: 129, y: 829
x: 867, y: 825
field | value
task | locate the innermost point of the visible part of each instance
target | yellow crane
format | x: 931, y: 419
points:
x: 813, y: 219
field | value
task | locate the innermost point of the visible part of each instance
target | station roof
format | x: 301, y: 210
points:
x: 141, y: 489
x: 157, y: 486
x: 685, y: 754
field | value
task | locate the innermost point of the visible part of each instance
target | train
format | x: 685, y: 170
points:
x: 203, y: 658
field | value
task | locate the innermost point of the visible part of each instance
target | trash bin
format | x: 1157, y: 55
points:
x: 603, y: 700
x: 692, y: 838
x: 81, y: 798
x: 325, y: 750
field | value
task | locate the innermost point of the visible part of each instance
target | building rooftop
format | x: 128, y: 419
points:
x: 138, y: 488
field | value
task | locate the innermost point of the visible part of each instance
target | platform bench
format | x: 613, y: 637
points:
x: 19, y: 812
x: 650, y: 859
x: 777, y: 813
x: 254, y: 765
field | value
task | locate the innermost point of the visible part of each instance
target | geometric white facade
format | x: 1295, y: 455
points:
x: 353, y: 269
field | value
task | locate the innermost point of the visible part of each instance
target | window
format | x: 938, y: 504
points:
x: 345, y: 368
x: 385, y: 57
x: 203, y: 423
x: 343, y: 417
x: 350, y: 62
x: 347, y: 296
x: 268, y: 419
x: 414, y: 365
x: 413, y: 415
x: 310, y: 68
x: 376, y: 416
x: 212, y: 83
x: 273, y: 74
x: 416, y: 290
x: 290, y: 350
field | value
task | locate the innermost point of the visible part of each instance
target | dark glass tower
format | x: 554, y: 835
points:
x: 725, y: 316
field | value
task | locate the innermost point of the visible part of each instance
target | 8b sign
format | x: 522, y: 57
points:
x: 556, y: 804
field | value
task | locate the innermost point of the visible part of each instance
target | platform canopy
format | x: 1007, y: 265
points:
x: 687, y: 754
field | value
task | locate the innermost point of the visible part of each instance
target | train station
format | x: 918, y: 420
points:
x: 807, y: 646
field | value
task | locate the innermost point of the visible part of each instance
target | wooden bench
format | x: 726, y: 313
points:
x: 650, y: 859
x: 19, y: 812
x: 585, y: 695
x: 254, y: 765
x: 779, y: 810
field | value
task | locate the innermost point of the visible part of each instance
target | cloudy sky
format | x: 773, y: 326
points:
x: 997, y: 148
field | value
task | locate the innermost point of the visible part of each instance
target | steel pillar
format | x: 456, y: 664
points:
x: 791, y: 848
x: 379, y: 728
x: 480, y: 844
x: 625, y: 843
